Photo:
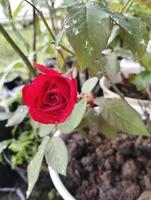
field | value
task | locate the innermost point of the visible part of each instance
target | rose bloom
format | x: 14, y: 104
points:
x: 51, y: 96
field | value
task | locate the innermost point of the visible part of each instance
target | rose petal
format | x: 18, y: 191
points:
x: 51, y: 118
x: 47, y: 70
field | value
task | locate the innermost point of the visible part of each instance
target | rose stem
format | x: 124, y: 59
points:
x: 48, y: 28
x: 50, y: 9
x: 35, y: 18
x: 126, y: 6
x: 18, y: 50
x: 115, y: 88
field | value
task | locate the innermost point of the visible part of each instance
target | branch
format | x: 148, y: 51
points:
x: 34, y: 34
x: 18, y: 50
x: 126, y: 6
x: 48, y: 28
x: 67, y: 50
x: 10, y: 18
x: 51, y: 15
x: 115, y: 88
x: 18, y: 34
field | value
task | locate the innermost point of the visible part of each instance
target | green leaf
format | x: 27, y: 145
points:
x: 45, y: 130
x: 142, y: 80
x: 59, y: 37
x: 122, y: 116
x: 135, y: 34
x: 114, y: 33
x: 33, y: 169
x: 85, y: 25
x: 146, y: 61
x: 146, y: 18
x: 4, y: 144
x: 17, y: 10
x: 89, y: 85
x: 6, y: 8
x: 18, y: 116
x: 57, y: 155
x: 108, y: 130
x: 75, y: 118
x: 111, y: 64
x: 92, y: 119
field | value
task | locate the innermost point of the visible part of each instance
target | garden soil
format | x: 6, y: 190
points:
x: 131, y: 91
x: 118, y: 169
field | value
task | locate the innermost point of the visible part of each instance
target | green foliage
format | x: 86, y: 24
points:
x: 6, y: 8
x: 110, y: 64
x: 114, y: 33
x: 134, y: 33
x: 59, y: 37
x: 18, y: 116
x: 85, y: 25
x: 17, y: 10
x: 23, y: 148
x: 89, y: 85
x: 105, y: 128
x: 75, y: 118
x: 146, y: 61
x: 45, y: 130
x: 57, y: 155
x: 4, y: 144
x: 122, y: 116
x: 92, y: 119
x: 35, y: 165
x: 142, y: 80
x: 146, y: 18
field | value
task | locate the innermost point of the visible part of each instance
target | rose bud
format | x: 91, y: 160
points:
x: 51, y: 96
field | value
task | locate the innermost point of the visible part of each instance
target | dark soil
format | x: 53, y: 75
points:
x: 117, y: 169
x: 131, y: 91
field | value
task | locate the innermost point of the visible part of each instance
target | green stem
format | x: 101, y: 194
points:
x: 67, y: 50
x: 18, y: 34
x: 51, y: 13
x: 126, y: 6
x: 18, y: 50
x: 34, y: 35
x: 48, y: 28
x: 12, y: 24
x: 115, y: 88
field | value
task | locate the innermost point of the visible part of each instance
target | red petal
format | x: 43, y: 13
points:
x: 47, y: 70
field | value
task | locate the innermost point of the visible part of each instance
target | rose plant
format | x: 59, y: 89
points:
x: 52, y: 99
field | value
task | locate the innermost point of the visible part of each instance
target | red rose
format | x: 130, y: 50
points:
x: 51, y: 96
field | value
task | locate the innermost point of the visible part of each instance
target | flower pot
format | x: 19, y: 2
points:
x: 139, y: 105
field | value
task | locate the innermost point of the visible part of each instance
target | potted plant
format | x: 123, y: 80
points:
x: 134, y: 82
x: 52, y: 101
x: 138, y: 85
